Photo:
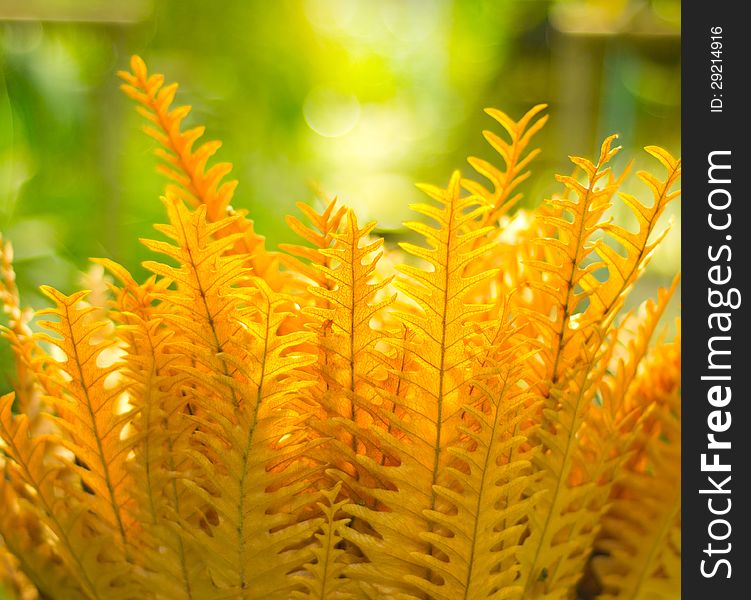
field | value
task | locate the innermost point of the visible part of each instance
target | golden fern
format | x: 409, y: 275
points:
x: 187, y: 167
x: 575, y: 349
x: 436, y: 421
x: 87, y: 404
x: 307, y: 424
x: 40, y: 487
x: 506, y: 180
x: 159, y: 422
x: 320, y: 237
x: 346, y: 302
x: 640, y: 539
x: 240, y: 391
x: 324, y: 577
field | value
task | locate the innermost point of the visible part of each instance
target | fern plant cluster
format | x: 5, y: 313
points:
x: 481, y: 420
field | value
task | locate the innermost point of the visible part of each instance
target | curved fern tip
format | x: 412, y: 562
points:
x: 139, y: 66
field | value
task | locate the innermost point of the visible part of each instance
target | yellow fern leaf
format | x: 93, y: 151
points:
x: 635, y: 335
x: 83, y: 542
x: 87, y: 398
x: 186, y: 166
x: 347, y: 364
x: 243, y: 388
x: 432, y: 412
x: 577, y: 464
x: 479, y: 530
x: 301, y: 260
x: 250, y: 460
x: 572, y: 493
x: 640, y: 541
x: 324, y: 577
x: 623, y: 269
x: 203, y: 306
x: 514, y: 158
x: 160, y: 431
x: 319, y: 235
x: 18, y: 333
x: 27, y: 538
x: 565, y: 267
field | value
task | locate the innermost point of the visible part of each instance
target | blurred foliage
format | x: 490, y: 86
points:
x: 363, y: 98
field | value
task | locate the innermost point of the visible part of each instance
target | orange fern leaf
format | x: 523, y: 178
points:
x: 88, y: 398
x: 565, y: 267
x: 515, y: 160
x: 18, y: 333
x: 160, y: 431
x: 324, y: 577
x: 252, y: 461
x: 640, y: 540
x: 638, y: 247
x: 431, y: 415
x: 319, y: 235
x: 63, y: 509
x: 30, y: 542
x: 186, y: 166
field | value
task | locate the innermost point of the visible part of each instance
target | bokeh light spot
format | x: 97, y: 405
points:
x: 330, y: 113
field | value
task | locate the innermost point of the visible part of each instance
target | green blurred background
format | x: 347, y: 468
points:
x: 362, y: 97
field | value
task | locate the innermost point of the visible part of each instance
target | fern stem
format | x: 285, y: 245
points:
x: 441, y: 370
x: 570, y: 282
x: 245, y: 457
x: 353, y: 409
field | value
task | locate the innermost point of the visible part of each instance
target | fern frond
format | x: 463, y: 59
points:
x: 515, y: 160
x: 160, y: 431
x: 623, y: 269
x: 347, y: 303
x: 83, y: 542
x: 324, y: 578
x: 254, y: 425
x: 566, y: 266
x: 243, y: 385
x: 608, y: 431
x: 14, y: 583
x: 251, y: 460
x: 207, y: 297
x: 640, y: 540
x: 488, y: 500
x: 577, y: 460
x: 573, y: 488
x: 431, y: 414
x: 25, y: 535
x: 88, y: 400
x: 350, y: 294
x: 18, y: 333
x: 319, y: 234
x: 186, y: 167
x: 635, y: 335
x: 572, y: 342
